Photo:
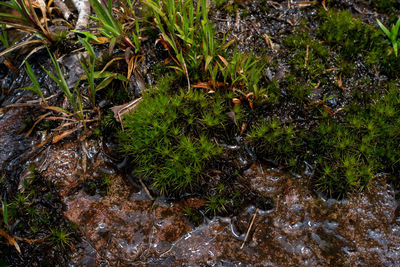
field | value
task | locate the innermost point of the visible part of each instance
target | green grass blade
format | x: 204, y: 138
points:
x: 396, y: 30
x: 88, y: 47
x: 36, y: 87
x: 384, y: 29
x: 5, y: 213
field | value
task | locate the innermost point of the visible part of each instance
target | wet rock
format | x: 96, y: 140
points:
x: 126, y: 227
x: 13, y: 141
x: 121, y: 226
x: 307, y: 230
x: 266, y: 182
x: 73, y: 65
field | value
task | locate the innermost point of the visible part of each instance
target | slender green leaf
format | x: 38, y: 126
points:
x: 5, y: 213
x: 384, y: 29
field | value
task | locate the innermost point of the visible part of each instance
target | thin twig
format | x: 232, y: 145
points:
x: 63, y: 8
x: 83, y: 7
x: 145, y: 189
x: 248, y: 230
x: 30, y: 103
x: 307, y: 54
x: 32, y: 241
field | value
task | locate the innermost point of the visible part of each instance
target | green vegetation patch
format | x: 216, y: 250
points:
x: 345, y: 147
x: 170, y: 135
x: 347, y: 33
x: 346, y: 151
x: 354, y: 39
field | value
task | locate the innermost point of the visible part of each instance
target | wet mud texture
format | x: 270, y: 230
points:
x: 40, y: 212
x: 124, y: 226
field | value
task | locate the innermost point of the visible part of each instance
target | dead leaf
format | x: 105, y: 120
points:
x: 120, y: 110
x: 109, y: 63
x: 236, y: 101
x: 60, y: 110
x: 304, y: 3
x: 130, y: 68
x: 10, y: 240
x: 307, y: 54
x: 250, y: 102
x: 22, y: 44
x: 36, y: 122
x: 44, y: 142
x: 202, y: 85
x: 52, y: 118
x: 84, y: 157
x: 327, y: 109
x: 102, y: 40
x: 268, y: 40
x: 32, y: 241
x: 223, y: 60
x: 244, y: 126
x: 232, y: 116
x: 60, y: 136
x: 324, y: 5
x: 11, y: 66
x: 340, y: 82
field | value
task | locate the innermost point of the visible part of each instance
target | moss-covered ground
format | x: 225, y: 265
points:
x: 336, y: 109
x: 311, y: 89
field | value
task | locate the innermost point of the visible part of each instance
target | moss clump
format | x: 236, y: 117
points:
x: 346, y: 151
x: 170, y: 135
x: 276, y: 141
x: 347, y: 34
x: 339, y: 152
x: 354, y: 39
x: 367, y: 141
x: 309, y: 58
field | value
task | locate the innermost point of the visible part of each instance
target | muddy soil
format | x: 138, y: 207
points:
x: 124, y: 226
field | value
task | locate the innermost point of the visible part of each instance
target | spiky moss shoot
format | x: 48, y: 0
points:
x: 276, y: 141
x: 169, y: 136
x: 61, y: 238
x: 347, y: 33
x: 341, y: 165
x: 353, y: 38
x: 310, y: 56
x: 347, y: 150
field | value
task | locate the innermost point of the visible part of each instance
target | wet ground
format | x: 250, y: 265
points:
x: 121, y: 225
x: 114, y: 222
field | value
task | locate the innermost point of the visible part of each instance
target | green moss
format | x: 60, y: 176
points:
x: 170, y: 135
x: 354, y: 39
x: 299, y: 89
x: 341, y: 166
x: 346, y: 33
x: 346, y: 151
x: 277, y: 141
x: 308, y: 62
